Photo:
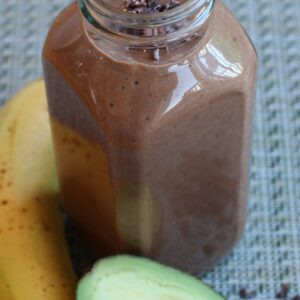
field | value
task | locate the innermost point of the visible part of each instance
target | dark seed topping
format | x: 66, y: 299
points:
x: 148, y: 6
x: 284, y: 291
x: 246, y: 294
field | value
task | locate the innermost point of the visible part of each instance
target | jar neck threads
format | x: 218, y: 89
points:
x: 149, y: 30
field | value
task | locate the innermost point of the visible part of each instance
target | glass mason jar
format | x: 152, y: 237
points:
x: 152, y: 117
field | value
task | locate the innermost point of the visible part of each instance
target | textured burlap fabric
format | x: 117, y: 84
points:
x: 269, y: 253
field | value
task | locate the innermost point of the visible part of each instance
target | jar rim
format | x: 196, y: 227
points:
x: 101, y: 7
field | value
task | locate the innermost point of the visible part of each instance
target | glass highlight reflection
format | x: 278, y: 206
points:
x: 186, y: 81
x: 213, y: 61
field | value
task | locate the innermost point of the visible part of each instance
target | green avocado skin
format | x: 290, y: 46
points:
x: 127, y: 277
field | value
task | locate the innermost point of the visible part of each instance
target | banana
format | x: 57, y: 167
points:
x: 34, y: 260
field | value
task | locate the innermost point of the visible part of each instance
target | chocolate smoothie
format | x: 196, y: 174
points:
x: 153, y: 152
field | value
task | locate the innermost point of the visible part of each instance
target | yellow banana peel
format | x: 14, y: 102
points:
x: 34, y: 260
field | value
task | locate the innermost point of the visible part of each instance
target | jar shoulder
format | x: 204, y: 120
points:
x: 229, y: 54
x: 63, y: 32
x: 226, y: 52
x: 226, y: 64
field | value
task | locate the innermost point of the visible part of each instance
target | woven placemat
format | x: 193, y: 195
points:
x: 269, y: 253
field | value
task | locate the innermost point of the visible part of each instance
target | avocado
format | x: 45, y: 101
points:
x: 133, y: 278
